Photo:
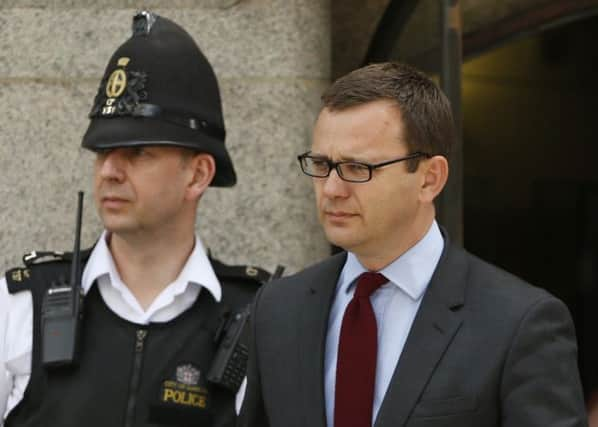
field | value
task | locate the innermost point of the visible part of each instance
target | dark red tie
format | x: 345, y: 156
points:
x: 356, y: 362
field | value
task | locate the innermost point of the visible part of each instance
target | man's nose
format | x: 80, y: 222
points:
x: 334, y: 186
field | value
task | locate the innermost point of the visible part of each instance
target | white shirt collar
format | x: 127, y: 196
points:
x: 197, y: 270
x: 411, y: 272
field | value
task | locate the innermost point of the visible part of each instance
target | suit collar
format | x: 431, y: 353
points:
x: 321, y: 281
x: 449, y: 281
x: 435, y: 325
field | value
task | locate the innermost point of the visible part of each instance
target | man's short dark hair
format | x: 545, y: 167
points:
x: 425, y: 110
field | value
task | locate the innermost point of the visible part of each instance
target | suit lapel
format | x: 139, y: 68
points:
x: 437, y: 321
x: 319, y: 293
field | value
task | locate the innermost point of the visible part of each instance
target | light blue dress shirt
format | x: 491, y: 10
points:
x: 395, y: 305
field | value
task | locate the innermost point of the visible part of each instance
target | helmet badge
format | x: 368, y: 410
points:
x: 121, y: 93
x: 117, y: 83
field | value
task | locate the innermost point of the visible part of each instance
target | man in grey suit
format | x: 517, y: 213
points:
x: 403, y: 328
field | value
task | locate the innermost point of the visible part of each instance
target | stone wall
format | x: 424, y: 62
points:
x: 354, y: 23
x: 272, y: 58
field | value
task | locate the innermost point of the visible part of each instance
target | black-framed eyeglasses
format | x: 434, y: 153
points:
x: 350, y: 171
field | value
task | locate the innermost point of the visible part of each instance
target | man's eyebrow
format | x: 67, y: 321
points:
x: 341, y: 159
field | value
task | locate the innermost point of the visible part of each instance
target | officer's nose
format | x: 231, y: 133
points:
x: 110, y: 164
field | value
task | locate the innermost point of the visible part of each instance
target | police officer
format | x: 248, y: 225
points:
x: 155, y: 304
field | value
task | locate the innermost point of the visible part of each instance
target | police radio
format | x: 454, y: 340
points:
x: 62, y: 310
x: 230, y: 362
x: 229, y: 366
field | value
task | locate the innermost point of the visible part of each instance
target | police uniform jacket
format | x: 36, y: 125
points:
x: 161, y: 339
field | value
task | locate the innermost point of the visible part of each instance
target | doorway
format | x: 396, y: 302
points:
x: 530, y: 115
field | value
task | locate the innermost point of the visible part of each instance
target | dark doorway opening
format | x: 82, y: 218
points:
x: 530, y: 111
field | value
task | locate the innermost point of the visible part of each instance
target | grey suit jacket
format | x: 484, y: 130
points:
x: 485, y: 349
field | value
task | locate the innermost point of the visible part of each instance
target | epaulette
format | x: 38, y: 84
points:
x: 39, y: 257
x: 21, y: 278
x: 17, y: 276
x: 243, y: 272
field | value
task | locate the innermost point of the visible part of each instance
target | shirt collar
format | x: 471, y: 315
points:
x: 411, y: 272
x: 197, y: 270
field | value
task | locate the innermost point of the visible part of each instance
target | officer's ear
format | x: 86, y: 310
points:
x: 202, y: 168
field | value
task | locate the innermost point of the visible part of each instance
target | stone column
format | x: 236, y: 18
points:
x: 272, y: 58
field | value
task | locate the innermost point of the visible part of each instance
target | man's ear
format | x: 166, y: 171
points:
x: 435, y: 174
x: 203, y: 168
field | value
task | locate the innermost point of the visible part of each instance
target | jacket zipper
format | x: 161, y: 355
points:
x: 140, y: 336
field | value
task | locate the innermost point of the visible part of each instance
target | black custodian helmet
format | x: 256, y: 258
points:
x: 159, y: 89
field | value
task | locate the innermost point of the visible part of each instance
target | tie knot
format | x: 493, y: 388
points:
x: 367, y: 284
